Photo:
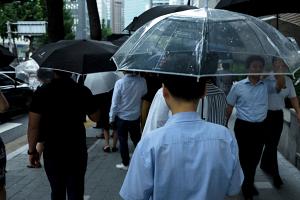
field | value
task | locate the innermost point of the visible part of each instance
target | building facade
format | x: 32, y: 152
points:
x: 177, y: 2
x: 78, y: 10
x: 159, y: 3
x: 104, y: 12
x: 117, y: 15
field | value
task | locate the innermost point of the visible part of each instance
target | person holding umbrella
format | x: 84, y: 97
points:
x: 274, y: 121
x: 250, y: 98
x: 187, y: 158
x: 58, y: 112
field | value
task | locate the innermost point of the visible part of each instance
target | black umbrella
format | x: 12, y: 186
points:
x: 259, y: 7
x: 6, y: 57
x: 118, y: 39
x: 77, y: 56
x: 155, y: 12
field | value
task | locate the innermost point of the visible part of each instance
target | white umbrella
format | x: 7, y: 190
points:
x: 101, y: 82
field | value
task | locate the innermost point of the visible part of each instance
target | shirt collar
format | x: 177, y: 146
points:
x: 184, y: 117
x: 247, y: 81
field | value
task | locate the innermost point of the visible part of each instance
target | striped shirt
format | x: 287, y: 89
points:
x: 214, y: 105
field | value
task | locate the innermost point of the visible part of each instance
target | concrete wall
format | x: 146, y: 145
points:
x: 289, y: 144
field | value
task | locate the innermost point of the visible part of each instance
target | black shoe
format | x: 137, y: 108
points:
x: 277, y: 182
x: 106, y: 149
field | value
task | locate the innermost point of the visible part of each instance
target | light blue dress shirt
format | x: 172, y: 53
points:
x: 127, y: 98
x: 187, y: 159
x: 276, y: 100
x: 250, y: 101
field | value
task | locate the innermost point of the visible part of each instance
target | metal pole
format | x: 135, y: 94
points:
x: 9, y: 36
x: 205, y: 4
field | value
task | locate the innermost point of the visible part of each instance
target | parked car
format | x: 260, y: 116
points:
x: 18, y: 94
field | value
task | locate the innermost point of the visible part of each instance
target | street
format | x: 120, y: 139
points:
x: 13, y: 133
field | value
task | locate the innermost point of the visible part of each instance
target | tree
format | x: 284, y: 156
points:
x: 56, y: 30
x: 106, y: 31
x: 95, y: 25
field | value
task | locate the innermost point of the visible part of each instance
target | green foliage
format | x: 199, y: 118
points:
x: 31, y: 10
x: 68, y: 23
x: 106, y: 31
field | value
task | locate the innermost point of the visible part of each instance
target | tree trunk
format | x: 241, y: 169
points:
x: 56, y: 29
x: 95, y: 24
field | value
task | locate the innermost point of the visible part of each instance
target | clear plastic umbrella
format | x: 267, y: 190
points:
x: 198, y: 42
x: 26, y: 70
x: 101, y: 82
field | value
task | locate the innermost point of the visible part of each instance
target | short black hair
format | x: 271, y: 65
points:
x: 184, y: 87
x: 250, y: 59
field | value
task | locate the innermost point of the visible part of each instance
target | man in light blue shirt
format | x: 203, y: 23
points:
x: 250, y: 98
x: 125, y: 112
x: 274, y: 121
x: 187, y: 158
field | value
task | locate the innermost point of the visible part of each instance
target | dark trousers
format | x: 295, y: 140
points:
x: 274, y: 126
x: 134, y: 129
x: 66, y: 177
x: 250, y: 141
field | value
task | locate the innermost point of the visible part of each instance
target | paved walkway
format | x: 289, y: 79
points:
x: 103, y: 180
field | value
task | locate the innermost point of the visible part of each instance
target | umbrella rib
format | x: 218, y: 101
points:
x: 258, y: 28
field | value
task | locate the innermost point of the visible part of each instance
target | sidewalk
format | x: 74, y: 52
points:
x: 103, y: 180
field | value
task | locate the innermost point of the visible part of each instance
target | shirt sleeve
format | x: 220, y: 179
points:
x: 232, y: 95
x: 290, y: 85
x: 145, y: 90
x: 237, y: 177
x: 37, y: 101
x: 158, y: 113
x: 115, y: 102
x: 138, y: 183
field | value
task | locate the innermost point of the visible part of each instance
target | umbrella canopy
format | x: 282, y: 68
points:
x: 198, y: 42
x: 102, y: 82
x: 118, y: 39
x: 155, y: 12
x: 259, y: 7
x: 77, y: 56
x: 6, y: 57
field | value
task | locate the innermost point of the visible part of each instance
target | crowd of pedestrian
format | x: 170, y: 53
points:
x: 183, y: 149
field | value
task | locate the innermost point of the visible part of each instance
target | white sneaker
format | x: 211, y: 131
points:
x: 121, y: 166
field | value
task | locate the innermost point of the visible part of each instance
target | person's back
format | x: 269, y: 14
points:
x: 197, y: 165
x: 57, y: 112
x: 125, y: 112
x: 65, y: 106
x: 127, y: 98
x: 187, y: 158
